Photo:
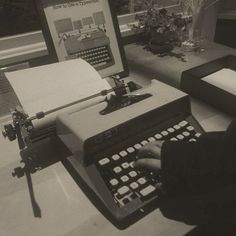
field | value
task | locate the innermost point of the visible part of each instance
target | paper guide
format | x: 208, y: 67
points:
x: 47, y: 87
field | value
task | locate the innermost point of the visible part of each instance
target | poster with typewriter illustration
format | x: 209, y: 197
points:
x: 84, y: 29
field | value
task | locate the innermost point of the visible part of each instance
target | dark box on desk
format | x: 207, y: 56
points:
x: 192, y: 83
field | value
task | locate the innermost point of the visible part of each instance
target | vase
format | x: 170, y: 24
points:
x: 194, y: 37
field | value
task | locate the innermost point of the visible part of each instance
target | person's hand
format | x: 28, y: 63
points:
x: 149, y: 156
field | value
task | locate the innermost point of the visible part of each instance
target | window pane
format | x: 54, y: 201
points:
x: 121, y: 7
x: 18, y: 16
x: 130, y: 6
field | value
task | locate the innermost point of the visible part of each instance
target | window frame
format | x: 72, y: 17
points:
x: 26, y: 47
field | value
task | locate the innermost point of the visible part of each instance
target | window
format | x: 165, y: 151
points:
x: 20, y: 25
x: 128, y: 9
x: 18, y: 16
x: 131, y: 6
x: 20, y: 35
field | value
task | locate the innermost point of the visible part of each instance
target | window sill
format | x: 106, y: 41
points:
x: 27, y: 46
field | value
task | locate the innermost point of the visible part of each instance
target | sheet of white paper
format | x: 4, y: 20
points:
x: 224, y: 79
x: 47, y: 87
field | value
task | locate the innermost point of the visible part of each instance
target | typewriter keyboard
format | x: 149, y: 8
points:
x: 127, y: 183
x: 98, y: 57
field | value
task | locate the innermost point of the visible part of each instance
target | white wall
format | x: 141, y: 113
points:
x: 210, y: 15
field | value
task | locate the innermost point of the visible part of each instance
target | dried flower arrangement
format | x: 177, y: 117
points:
x: 161, y: 30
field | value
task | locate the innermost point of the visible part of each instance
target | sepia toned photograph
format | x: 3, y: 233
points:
x: 117, y: 117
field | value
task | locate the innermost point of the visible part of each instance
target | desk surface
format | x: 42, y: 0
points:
x: 65, y: 209
x: 169, y: 69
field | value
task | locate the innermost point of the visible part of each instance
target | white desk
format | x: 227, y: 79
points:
x: 65, y: 209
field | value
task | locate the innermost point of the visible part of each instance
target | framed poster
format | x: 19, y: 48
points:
x: 86, y: 29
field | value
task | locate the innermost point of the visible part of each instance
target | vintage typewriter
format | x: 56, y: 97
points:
x: 92, y: 44
x: 94, y: 48
x: 100, y: 143
x: 104, y: 147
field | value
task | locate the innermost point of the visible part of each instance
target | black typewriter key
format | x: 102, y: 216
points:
x: 114, y: 182
x: 124, y: 178
x: 151, y: 139
x: 130, y: 150
x: 125, y: 165
x: 164, y: 133
x: 133, y: 174
x: 173, y: 139
x: 122, y: 191
x: 117, y: 170
x: 133, y: 196
x: 123, y: 153
x: 180, y: 137
x: 197, y: 135
x: 192, y: 140
x: 176, y: 127
x: 186, y: 134
x: 103, y: 161
x: 190, y: 128
x: 137, y: 146
x: 183, y: 123
x: 125, y: 200
x: 134, y: 185
x: 142, y: 181
x: 131, y: 164
x: 115, y: 157
x: 158, y: 136
x: 170, y: 130
x: 144, y: 142
x: 147, y: 191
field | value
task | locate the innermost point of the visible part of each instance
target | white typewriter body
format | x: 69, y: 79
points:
x: 75, y: 128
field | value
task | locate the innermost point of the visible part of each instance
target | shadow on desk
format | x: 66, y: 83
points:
x: 36, y: 158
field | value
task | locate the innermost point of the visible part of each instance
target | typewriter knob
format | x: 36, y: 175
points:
x: 18, y: 172
x: 9, y: 132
